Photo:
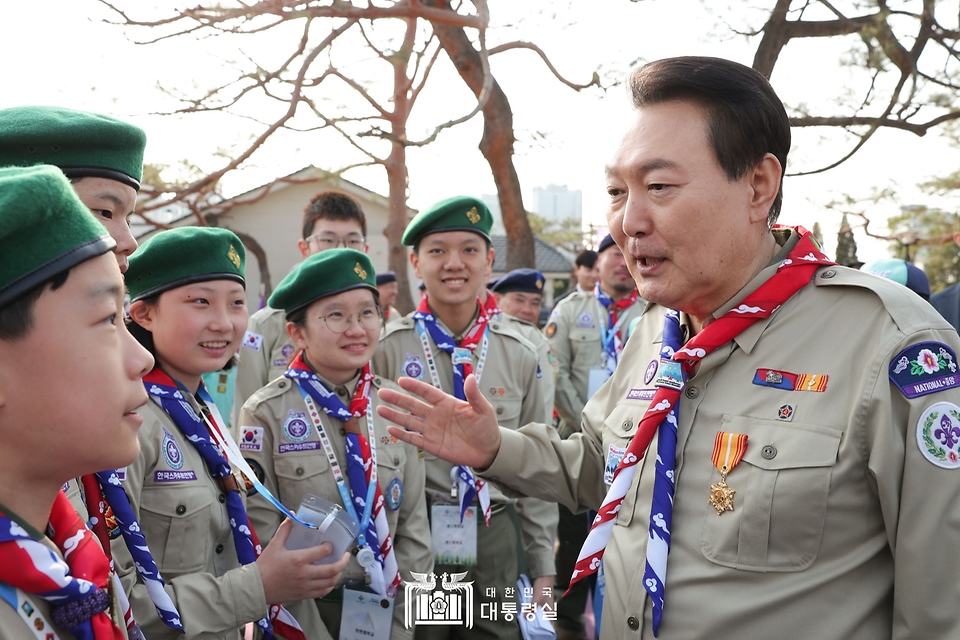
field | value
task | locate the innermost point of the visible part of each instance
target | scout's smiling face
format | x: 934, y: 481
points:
x: 452, y: 265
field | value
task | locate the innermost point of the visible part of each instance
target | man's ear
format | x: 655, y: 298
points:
x: 143, y: 314
x: 297, y: 334
x: 765, y: 180
x: 415, y: 263
x: 304, y: 247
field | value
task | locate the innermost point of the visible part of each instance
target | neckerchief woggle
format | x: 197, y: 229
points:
x: 610, y: 331
x: 363, y: 494
x: 106, y: 489
x: 199, y: 432
x: 793, y: 273
x: 76, y: 587
x: 461, y: 356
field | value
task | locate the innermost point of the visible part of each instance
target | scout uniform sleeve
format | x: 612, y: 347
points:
x: 568, y: 402
x: 207, y: 604
x: 263, y: 515
x: 911, y: 436
x: 254, y: 363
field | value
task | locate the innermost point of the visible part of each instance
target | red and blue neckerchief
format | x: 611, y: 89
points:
x: 103, y: 490
x: 363, y: 495
x: 76, y: 587
x: 793, y: 273
x: 170, y: 395
x: 612, y: 340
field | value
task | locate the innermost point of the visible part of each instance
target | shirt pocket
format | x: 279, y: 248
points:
x: 507, y: 409
x: 782, y: 485
x: 300, y: 474
x: 618, y: 431
x: 585, y: 344
x: 176, y: 522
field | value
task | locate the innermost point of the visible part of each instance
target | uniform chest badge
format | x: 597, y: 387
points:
x: 926, y: 367
x: 252, y: 340
x: 171, y: 452
x: 251, y: 438
x: 614, y: 456
x: 585, y: 321
x: 413, y: 367
x: 938, y: 435
x: 791, y: 381
x: 650, y: 372
x: 295, y: 427
x: 394, y: 495
x: 287, y: 350
x: 669, y: 375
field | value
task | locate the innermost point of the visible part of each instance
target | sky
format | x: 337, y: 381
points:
x: 71, y: 57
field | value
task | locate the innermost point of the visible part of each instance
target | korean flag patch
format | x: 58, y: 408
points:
x: 252, y: 340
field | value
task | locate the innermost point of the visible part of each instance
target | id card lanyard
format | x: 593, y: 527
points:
x: 607, y: 336
x: 432, y: 363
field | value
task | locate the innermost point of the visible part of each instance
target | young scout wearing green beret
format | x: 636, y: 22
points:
x: 810, y: 434
x: 314, y: 431
x: 62, y: 341
x: 188, y: 306
x: 332, y: 219
x: 448, y: 335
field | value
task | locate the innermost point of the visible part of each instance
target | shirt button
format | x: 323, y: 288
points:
x: 495, y: 326
x: 299, y: 471
x: 282, y: 384
x: 692, y: 392
x: 769, y: 452
x: 181, y: 510
x: 343, y: 432
x: 222, y: 498
x: 396, y: 460
x: 219, y: 548
x: 633, y: 623
x: 341, y: 391
x: 829, y: 273
x: 499, y: 410
x: 627, y: 425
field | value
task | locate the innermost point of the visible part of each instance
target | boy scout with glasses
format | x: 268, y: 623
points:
x: 449, y: 336
x: 332, y: 219
x: 62, y: 341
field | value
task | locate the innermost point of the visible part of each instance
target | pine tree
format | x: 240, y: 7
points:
x: 846, y: 245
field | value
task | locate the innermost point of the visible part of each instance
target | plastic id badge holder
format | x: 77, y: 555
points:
x: 365, y: 616
x: 454, y: 542
x: 333, y: 525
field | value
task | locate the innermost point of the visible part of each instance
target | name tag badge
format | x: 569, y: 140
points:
x: 453, y: 542
x: 462, y: 356
x: 614, y: 456
x: 598, y: 375
x: 365, y: 616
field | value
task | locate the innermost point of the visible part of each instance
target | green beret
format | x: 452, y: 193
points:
x: 460, y: 213
x: 323, y: 275
x: 184, y: 255
x: 44, y: 229
x: 82, y: 144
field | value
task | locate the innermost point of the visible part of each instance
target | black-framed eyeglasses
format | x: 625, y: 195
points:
x: 370, y: 319
x: 332, y: 241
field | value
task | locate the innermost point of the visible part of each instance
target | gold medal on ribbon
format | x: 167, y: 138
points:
x: 728, y: 450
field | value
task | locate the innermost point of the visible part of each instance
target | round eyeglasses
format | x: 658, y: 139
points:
x: 370, y: 319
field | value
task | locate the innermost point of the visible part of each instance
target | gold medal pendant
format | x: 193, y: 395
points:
x: 721, y: 495
x: 728, y: 450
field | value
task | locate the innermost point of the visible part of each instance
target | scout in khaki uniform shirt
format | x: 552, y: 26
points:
x: 103, y: 158
x: 62, y: 341
x: 188, y: 306
x: 808, y: 414
x: 308, y: 433
x: 388, y: 288
x: 332, y: 219
x: 449, y: 333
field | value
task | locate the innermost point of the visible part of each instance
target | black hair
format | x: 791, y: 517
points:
x: 16, y: 319
x: 586, y: 258
x: 745, y: 118
x: 333, y: 205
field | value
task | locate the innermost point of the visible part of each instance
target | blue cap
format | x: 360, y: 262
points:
x: 606, y: 243
x: 901, y: 272
x: 386, y: 277
x: 528, y: 280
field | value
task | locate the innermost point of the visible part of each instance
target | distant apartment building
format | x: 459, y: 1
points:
x: 557, y: 202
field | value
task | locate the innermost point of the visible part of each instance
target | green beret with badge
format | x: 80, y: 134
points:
x: 323, y: 275
x: 44, y: 229
x: 82, y: 144
x: 460, y: 213
x: 184, y: 255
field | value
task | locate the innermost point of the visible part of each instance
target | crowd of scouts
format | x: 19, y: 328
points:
x: 465, y: 443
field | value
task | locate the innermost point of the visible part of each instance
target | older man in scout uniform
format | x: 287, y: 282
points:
x: 62, y: 341
x: 792, y: 428
x: 388, y: 288
x: 449, y: 336
x: 332, y: 219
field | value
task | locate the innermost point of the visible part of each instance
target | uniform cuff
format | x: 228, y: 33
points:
x: 246, y: 588
x: 509, y: 458
x: 540, y: 563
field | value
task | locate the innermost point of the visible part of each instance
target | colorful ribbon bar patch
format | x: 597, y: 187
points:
x: 728, y: 450
x: 790, y: 381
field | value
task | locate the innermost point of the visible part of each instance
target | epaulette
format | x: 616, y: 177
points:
x: 511, y: 327
x: 400, y: 324
x: 274, y: 389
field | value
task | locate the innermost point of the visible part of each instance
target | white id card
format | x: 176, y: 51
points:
x: 454, y: 542
x: 365, y: 616
x: 598, y: 375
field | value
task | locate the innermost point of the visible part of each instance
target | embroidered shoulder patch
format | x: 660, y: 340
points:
x: 252, y: 340
x: 938, y: 434
x: 925, y: 367
x: 251, y: 438
x: 551, y: 330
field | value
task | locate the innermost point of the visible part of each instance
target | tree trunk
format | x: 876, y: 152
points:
x: 496, y: 145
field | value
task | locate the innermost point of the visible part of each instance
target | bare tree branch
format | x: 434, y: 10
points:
x: 510, y: 46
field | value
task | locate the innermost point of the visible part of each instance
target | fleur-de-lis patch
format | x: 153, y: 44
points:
x: 233, y: 256
x: 360, y: 271
x: 473, y: 216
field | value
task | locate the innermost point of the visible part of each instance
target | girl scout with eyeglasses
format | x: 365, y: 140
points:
x: 188, y: 308
x: 315, y: 431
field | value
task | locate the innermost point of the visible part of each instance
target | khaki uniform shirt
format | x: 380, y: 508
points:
x: 838, y: 517
x: 184, y: 519
x: 75, y: 496
x: 574, y: 331
x: 293, y: 468
x: 12, y: 624
x: 545, y: 359
x: 259, y: 364
x: 509, y: 381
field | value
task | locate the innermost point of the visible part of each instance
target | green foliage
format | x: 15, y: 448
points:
x: 935, y: 248
x: 846, y: 244
x: 566, y: 234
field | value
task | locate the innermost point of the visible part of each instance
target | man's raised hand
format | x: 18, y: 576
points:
x: 460, y: 432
